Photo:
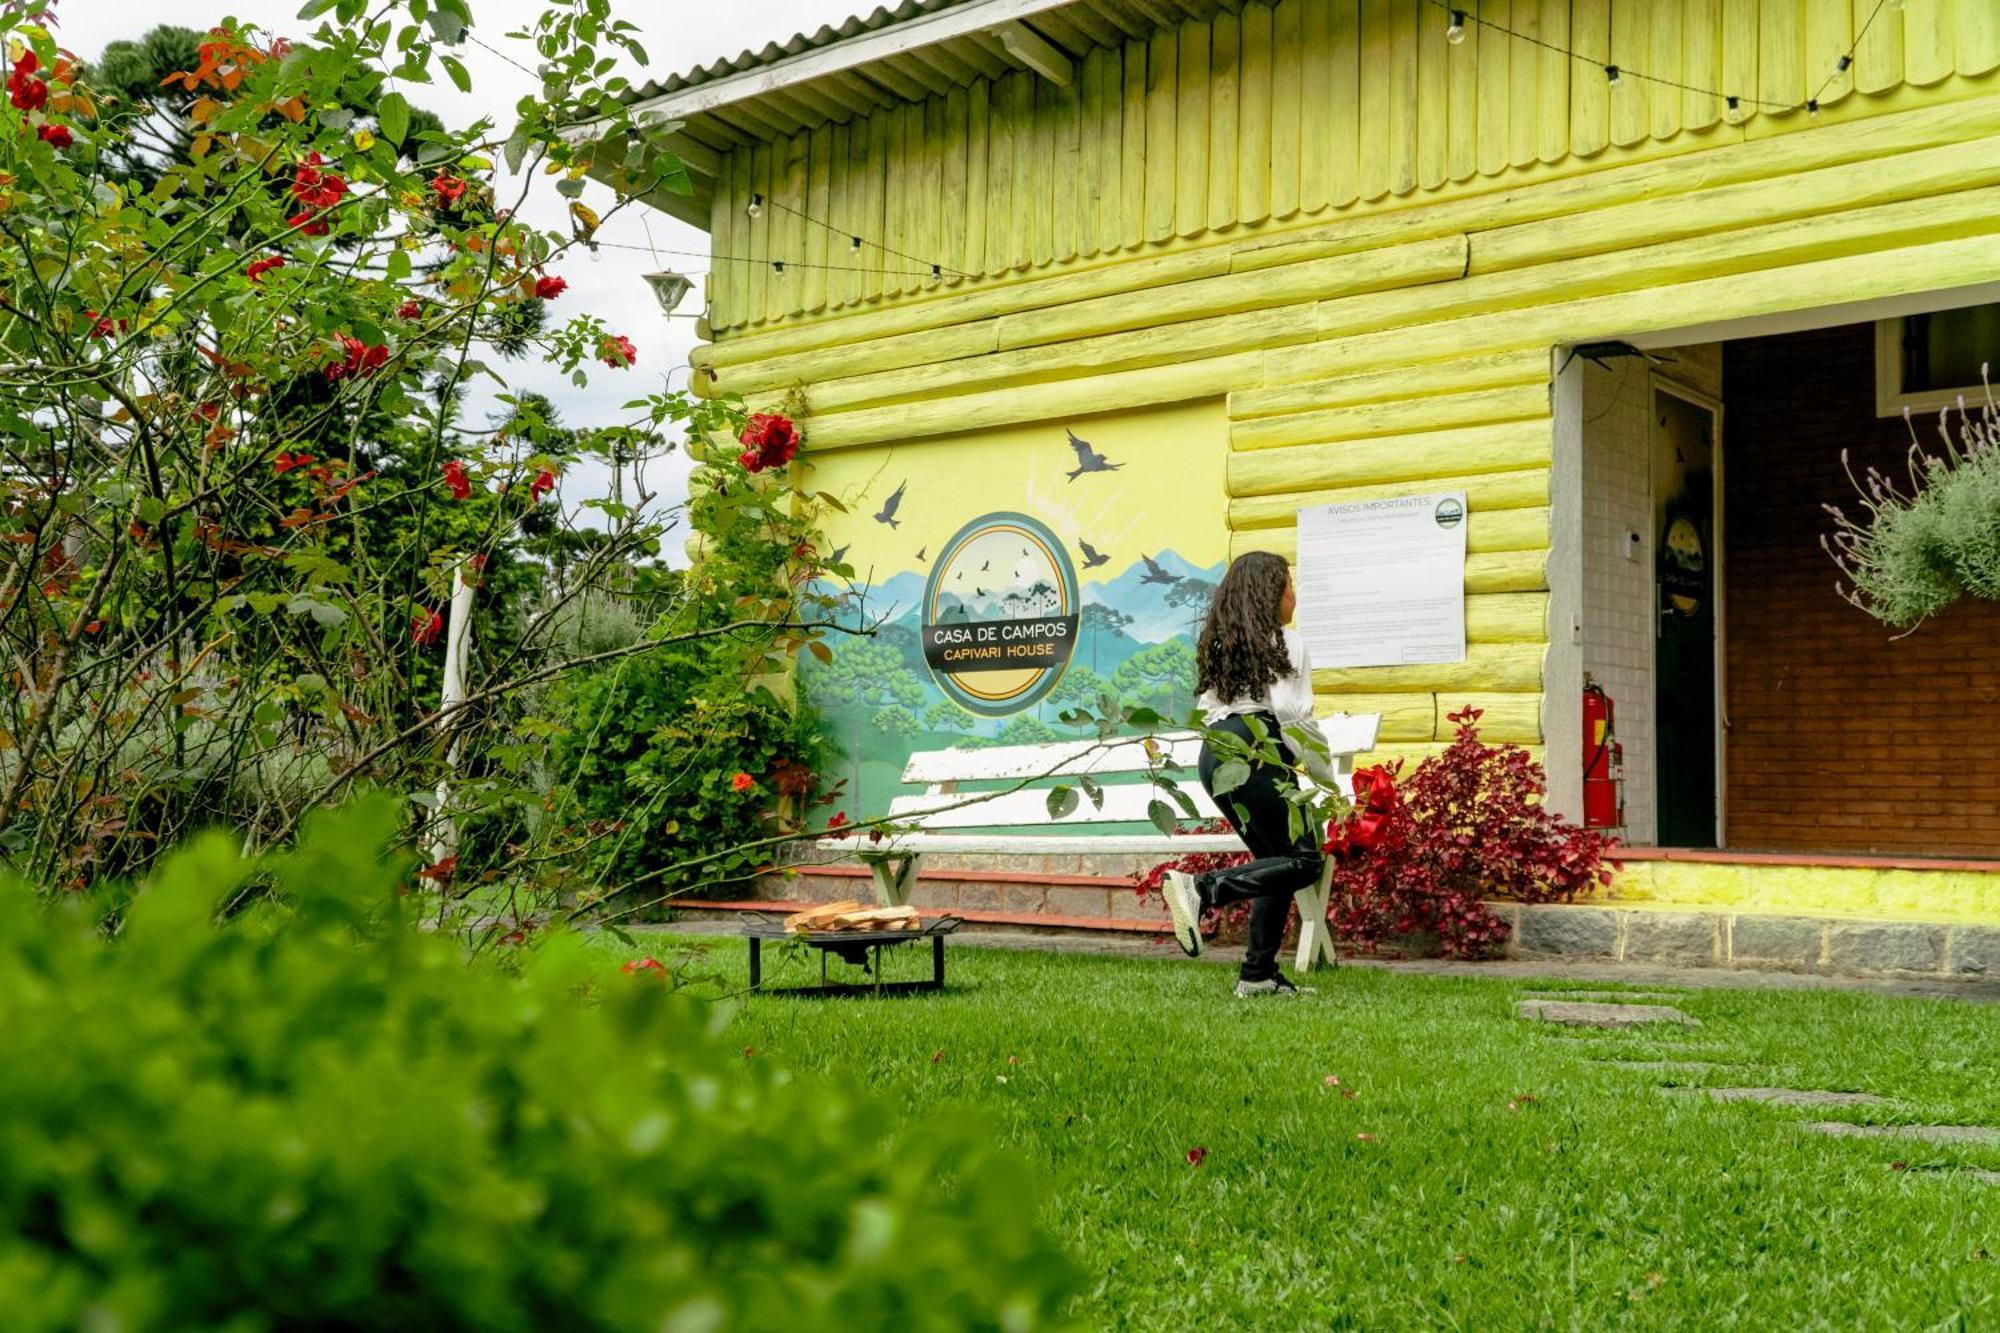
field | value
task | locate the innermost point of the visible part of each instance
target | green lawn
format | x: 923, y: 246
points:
x: 1439, y: 1195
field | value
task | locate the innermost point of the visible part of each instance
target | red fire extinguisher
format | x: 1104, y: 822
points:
x: 1603, y: 761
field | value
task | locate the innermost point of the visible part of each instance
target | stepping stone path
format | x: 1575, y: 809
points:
x: 1944, y: 1134
x: 1665, y: 1066
x: 1584, y: 1015
x: 1785, y: 1096
x: 1606, y: 996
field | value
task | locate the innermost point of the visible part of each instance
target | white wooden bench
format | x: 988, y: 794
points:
x: 940, y: 822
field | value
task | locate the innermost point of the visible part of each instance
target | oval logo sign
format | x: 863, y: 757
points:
x: 1449, y: 513
x: 1000, y: 616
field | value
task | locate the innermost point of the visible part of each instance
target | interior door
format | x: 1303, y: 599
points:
x: 1685, y: 486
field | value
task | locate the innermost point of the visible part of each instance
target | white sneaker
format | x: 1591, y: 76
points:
x: 1279, y: 985
x: 1184, y: 906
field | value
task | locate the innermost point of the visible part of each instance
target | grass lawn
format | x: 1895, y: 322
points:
x: 1438, y: 1194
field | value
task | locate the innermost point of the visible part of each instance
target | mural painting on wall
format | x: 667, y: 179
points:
x: 1013, y: 575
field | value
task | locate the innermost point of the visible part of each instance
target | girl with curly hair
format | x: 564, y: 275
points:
x: 1249, y: 665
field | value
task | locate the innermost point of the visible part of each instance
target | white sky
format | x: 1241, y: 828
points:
x: 677, y: 37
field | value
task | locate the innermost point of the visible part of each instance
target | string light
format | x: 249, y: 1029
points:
x: 756, y: 208
x: 1736, y: 115
x: 778, y: 267
x: 854, y: 244
x: 1614, y: 76
x: 1455, y: 31
x: 656, y: 251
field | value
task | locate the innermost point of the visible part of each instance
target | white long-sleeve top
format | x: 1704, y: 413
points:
x: 1290, y: 700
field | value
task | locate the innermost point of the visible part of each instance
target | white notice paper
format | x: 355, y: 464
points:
x: 1382, y: 582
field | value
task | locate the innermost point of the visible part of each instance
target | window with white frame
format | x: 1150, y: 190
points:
x: 1928, y: 362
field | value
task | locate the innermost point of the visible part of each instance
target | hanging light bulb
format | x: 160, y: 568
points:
x: 1736, y: 115
x: 1612, y: 75
x: 1846, y: 63
x: 854, y: 244
x: 937, y: 272
x: 596, y: 255
x: 1812, y: 109
x: 1455, y: 31
x: 756, y: 208
x: 778, y: 267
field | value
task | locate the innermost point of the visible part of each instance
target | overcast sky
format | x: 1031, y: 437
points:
x: 677, y: 35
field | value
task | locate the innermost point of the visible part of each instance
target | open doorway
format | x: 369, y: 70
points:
x: 1686, y: 453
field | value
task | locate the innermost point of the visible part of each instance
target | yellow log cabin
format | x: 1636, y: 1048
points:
x: 1129, y: 284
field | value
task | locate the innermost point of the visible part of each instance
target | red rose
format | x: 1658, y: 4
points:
x: 455, y: 478
x: 742, y: 782
x: 24, y: 90
x: 617, y: 351
x: 57, y: 136
x: 257, y: 268
x: 549, y: 288
x: 425, y: 627
x: 409, y: 310
x: 360, y: 358
x: 772, y: 439
x: 449, y: 189
x: 544, y: 482
x: 307, y: 223
x: 314, y: 188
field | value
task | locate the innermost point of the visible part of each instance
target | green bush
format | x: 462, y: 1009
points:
x: 315, y: 1116
x: 645, y: 767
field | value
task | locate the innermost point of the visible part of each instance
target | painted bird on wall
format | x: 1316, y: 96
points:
x: 888, y: 514
x: 1088, y: 459
x: 1092, y: 557
x: 921, y: 557
x: 1155, y: 573
x: 839, y: 556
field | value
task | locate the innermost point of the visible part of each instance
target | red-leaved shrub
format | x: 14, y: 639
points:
x: 1468, y: 825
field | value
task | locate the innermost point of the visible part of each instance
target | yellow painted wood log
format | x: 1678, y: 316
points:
x: 1662, y: 180
x: 1487, y: 532
x: 1466, y: 451
x: 1132, y: 150
x: 1507, y: 617
x: 880, y: 136
x: 1829, y: 35
x: 789, y: 235
x: 1524, y: 74
x: 1153, y: 386
x: 1663, y: 61
x: 1878, y: 58
x: 1069, y: 192
x: 978, y: 149
x: 1407, y: 716
x: 997, y: 211
x: 1631, y: 48
x: 1477, y: 408
x: 1403, y: 98
x: 1496, y: 49
x: 1781, y: 74
x: 1507, y: 571
x: 1428, y: 261
x: 1253, y: 158
x: 1342, y: 105
x: 1485, y: 372
x: 1377, y: 92
x: 1110, y: 149
x: 1552, y: 76
x: 1701, y: 62
x: 1977, y: 27
x: 1742, y: 43
x: 1191, y: 131
x: 1317, y: 125
x: 1027, y: 147
x: 1433, y: 111
x: 1287, y: 41
x: 1042, y: 170
x: 1927, y: 46
x: 1501, y: 668
x: 1162, y: 93
x: 1527, y: 488
x: 1507, y: 717
x: 819, y: 202
x: 722, y: 215
x: 1811, y: 194
x: 1590, y: 98
x: 1462, y: 104
x: 1224, y: 65
x: 758, y: 305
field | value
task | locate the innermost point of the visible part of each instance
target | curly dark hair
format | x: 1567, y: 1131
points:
x: 1241, y: 653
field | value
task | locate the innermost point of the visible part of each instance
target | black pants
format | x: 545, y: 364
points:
x: 1282, y: 866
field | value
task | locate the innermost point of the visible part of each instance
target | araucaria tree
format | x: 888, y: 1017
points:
x: 238, y: 492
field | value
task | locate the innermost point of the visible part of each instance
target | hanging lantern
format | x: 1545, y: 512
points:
x: 669, y: 289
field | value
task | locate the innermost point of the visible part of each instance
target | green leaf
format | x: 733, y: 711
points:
x: 1230, y: 776
x: 1162, y: 816
x: 459, y: 77
x: 569, y: 188
x: 393, y: 111
x: 399, y: 265
x: 448, y: 26
x: 314, y: 8
x: 1092, y: 790
x: 1062, y: 802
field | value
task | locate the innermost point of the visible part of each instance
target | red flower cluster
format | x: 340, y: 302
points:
x: 1368, y: 824
x: 772, y: 442
x: 409, y: 310
x: 448, y: 188
x: 643, y: 965
x: 455, y: 478
x: 360, y: 358
x: 320, y: 191
x: 544, y: 482
x: 56, y: 136
x: 742, y: 782
x: 103, y: 326
x: 25, y: 89
x: 837, y: 826
x: 425, y: 627
x: 257, y: 268
x: 549, y: 288
x: 617, y: 351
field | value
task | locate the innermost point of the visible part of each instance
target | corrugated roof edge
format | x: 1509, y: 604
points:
x: 799, y: 44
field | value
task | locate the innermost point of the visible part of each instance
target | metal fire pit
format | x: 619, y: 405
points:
x: 862, y: 948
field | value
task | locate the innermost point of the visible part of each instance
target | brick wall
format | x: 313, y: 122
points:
x: 1840, y: 740
x: 1618, y: 627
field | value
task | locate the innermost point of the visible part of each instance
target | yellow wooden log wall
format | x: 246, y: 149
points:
x: 1281, y: 114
